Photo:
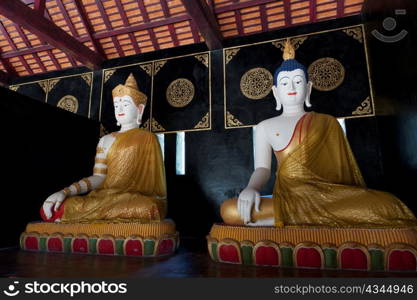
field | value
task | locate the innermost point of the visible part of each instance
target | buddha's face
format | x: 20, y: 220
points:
x: 292, y: 88
x: 126, y: 111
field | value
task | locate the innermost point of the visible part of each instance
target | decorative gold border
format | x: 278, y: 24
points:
x: 163, y: 237
x: 229, y: 242
x: 53, y: 236
x: 60, y: 77
x: 400, y: 247
x: 308, y: 245
x: 209, y: 89
x: 210, y: 242
x: 134, y: 238
x: 152, y: 86
x: 351, y: 245
x: 107, y: 237
x: 266, y: 244
x: 103, y: 81
x: 80, y: 236
x: 371, y: 88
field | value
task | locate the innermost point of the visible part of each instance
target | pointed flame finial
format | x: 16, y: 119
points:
x: 289, y: 51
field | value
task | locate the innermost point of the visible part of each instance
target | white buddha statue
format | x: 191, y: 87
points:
x: 128, y: 181
x: 318, y: 182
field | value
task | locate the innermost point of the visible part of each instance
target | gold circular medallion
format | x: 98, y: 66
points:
x: 69, y: 103
x: 256, y: 83
x: 180, y: 92
x: 326, y: 74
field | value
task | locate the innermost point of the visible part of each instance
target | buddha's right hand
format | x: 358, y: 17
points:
x: 53, y: 202
x: 245, y: 202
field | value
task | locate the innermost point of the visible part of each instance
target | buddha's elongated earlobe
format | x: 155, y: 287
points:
x: 279, y: 105
x: 309, y: 87
x: 139, y: 120
x: 275, y: 92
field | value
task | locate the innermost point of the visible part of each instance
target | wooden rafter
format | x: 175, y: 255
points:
x: 264, y: 18
x: 287, y: 12
x: 4, y: 61
x: 313, y: 10
x: 40, y: 6
x: 109, y: 27
x: 28, y: 45
x: 241, y: 5
x: 206, y: 22
x: 47, y: 31
x: 146, y: 19
x: 67, y: 18
x: 88, y: 27
x: 340, y: 8
x: 126, y: 23
x: 102, y: 35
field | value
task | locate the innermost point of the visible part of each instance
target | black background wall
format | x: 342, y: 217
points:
x: 43, y: 149
x: 219, y: 162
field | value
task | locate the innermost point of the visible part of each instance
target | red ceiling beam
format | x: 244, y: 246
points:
x: 40, y: 6
x: 340, y: 8
x: 313, y: 10
x: 240, y: 5
x: 88, y: 27
x: 67, y: 18
x: 126, y: 23
x: 264, y: 17
x: 206, y: 22
x: 47, y: 31
x: 287, y: 12
x: 109, y: 27
x: 146, y: 19
x: 102, y: 35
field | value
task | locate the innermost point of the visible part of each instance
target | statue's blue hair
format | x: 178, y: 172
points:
x: 290, y: 65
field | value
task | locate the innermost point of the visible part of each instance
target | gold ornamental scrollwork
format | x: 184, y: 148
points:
x: 364, y: 109
x: 51, y: 84
x: 230, y: 53
x: 296, y: 42
x: 88, y: 78
x: 326, y: 74
x: 44, y: 85
x: 147, y: 68
x: 356, y: 33
x: 203, y: 58
x: 158, y: 66
x: 231, y: 120
x: 180, y: 92
x: 156, y: 127
x: 256, y: 83
x: 146, y: 124
x: 108, y: 74
x: 204, y: 123
x: 69, y: 103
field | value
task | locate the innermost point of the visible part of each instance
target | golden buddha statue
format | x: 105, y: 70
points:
x: 128, y: 184
x: 318, y: 182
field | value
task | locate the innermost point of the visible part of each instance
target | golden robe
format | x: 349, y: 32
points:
x: 134, y: 189
x: 318, y: 182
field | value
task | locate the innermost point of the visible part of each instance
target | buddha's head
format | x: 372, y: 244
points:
x: 129, y: 102
x: 291, y: 85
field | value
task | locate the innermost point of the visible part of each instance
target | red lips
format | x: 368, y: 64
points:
x: 121, y: 115
x: 292, y: 94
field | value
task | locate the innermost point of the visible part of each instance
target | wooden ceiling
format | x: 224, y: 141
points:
x: 38, y: 36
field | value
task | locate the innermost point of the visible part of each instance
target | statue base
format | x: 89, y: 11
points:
x: 125, y: 239
x: 321, y: 248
